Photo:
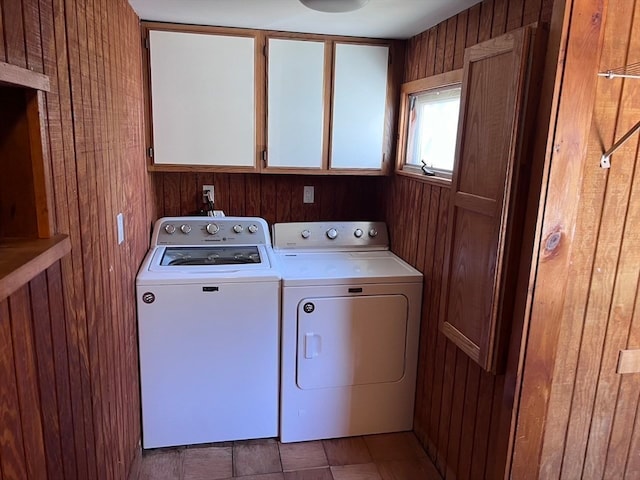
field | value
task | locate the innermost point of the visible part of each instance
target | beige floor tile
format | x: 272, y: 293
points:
x: 394, y: 446
x: 161, y: 465
x: 365, y: 471
x: 207, y: 463
x: 421, y: 469
x: 346, y: 451
x: 298, y: 456
x: 256, y: 458
x: 311, y: 474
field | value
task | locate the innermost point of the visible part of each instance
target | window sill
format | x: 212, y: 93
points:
x: 22, y: 260
x: 433, y: 180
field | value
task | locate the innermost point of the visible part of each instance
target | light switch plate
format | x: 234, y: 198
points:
x: 120, y: 223
x: 307, y: 196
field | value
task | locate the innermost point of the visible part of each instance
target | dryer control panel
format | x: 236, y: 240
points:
x: 331, y: 236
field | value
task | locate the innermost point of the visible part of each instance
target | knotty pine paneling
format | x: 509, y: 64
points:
x: 276, y: 198
x: 460, y: 409
x: 590, y: 427
x: 69, y: 406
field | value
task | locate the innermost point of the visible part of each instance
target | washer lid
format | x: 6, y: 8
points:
x: 178, y: 265
x: 343, y: 268
x: 210, y: 256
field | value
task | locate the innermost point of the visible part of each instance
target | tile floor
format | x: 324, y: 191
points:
x: 393, y: 456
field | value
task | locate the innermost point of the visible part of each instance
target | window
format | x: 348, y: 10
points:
x: 429, y: 125
x: 432, y: 127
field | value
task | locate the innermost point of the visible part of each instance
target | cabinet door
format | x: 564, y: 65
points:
x: 487, y: 198
x: 295, y: 90
x: 359, y: 103
x: 203, y: 99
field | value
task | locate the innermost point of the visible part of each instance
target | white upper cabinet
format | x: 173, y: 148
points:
x: 359, y: 106
x: 239, y: 100
x: 300, y: 84
x: 295, y: 103
x: 203, y: 99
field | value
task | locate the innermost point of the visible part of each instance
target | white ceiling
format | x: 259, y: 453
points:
x: 379, y: 18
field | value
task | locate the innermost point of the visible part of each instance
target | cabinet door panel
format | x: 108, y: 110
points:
x: 359, y: 102
x: 487, y: 198
x: 203, y: 99
x: 295, y: 103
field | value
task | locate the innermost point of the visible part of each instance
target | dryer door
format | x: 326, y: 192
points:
x: 346, y: 341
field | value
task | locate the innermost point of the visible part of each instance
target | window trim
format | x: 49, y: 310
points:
x: 422, y: 85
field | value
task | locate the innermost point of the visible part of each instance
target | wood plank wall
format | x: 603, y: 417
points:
x: 276, y: 198
x: 590, y: 424
x: 69, y: 406
x: 460, y: 410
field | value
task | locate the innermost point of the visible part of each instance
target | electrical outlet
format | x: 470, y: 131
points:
x: 307, y: 196
x: 209, y: 188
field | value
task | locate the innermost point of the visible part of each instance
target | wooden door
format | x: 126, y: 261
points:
x: 484, y: 226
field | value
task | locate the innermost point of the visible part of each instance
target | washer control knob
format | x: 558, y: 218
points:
x: 358, y: 233
x: 184, y: 228
x: 373, y: 233
x: 170, y: 229
x: 212, y: 228
x: 306, y: 233
x: 238, y: 228
x: 332, y: 233
x: 253, y: 228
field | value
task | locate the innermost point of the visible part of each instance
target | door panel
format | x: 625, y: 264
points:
x: 295, y: 91
x: 351, y: 340
x: 488, y: 195
x: 359, y: 105
x: 203, y: 99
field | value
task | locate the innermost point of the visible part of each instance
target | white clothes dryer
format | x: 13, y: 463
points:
x: 350, y: 328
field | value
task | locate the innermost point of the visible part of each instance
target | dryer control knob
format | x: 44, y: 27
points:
x: 170, y: 229
x: 373, y: 233
x: 238, y: 228
x: 332, y: 233
x: 212, y: 228
x: 305, y: 234
x: 358, y: 233
x: 253, y: 228
x: 184, y: 228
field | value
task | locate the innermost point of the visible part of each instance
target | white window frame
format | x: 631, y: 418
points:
x: 409, y: 89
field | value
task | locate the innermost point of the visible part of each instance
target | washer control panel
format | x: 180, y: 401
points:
x: 328, y: 235
x: 211, y: 230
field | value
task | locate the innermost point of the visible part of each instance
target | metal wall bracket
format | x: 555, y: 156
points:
x: 605, y: 160
x: 629, y: 71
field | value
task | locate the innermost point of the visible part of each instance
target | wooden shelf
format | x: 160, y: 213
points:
x: 21, y: 260
x: 14, y: 76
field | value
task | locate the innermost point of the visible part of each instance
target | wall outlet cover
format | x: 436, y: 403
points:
x: 204, y: 191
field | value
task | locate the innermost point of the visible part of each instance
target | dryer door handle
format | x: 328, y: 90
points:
x: 312, y: 345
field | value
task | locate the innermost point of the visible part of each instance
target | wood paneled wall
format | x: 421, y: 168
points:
x: 276, y: 198
x: 579, y: 418
x: 69, y: 406
x: 462, y: 414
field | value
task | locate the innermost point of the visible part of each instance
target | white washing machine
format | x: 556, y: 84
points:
x: 350, y: 329
x: 208, y: 299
